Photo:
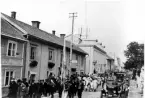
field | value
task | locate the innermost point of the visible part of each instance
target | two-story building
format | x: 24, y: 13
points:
x: 12, y: 54
x: 44, y: 51
x: 97, y: 61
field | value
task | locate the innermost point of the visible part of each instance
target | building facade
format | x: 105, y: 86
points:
x: 44, y: 51
x: 97, y: 60
x: 12, y: 54
x: 110, y: 63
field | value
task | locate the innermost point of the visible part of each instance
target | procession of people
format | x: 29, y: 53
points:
x: 74, y: 85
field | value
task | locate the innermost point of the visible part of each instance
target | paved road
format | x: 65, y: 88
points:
x: 133, y: 93
x: 91, y: 95
x: 86, y: 95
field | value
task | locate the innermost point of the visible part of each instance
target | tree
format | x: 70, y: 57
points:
x: 134, y: 55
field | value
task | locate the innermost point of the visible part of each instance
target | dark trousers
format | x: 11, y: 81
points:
x: 103, y: 84
x: 60, y: 93
x: 103, y: 92
x: 39, y: 95
x: 79, y: 93
x: 12, y: 95
x: 32, y: 95
x: 70, y: 95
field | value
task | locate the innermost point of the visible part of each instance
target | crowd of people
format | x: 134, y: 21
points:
x: 31, y: 89
x: 73, y: 85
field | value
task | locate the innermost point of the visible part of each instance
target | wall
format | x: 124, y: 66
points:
x: 14, y: 63
x: 88, y: 59
x: 11, y: 63
x: 42, y: 57
x: 38, y: 55
x: 101, y: 58
x: 79, y: 67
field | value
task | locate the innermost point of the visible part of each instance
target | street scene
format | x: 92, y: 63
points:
x: 72, y: 49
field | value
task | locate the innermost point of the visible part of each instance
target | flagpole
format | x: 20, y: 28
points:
x: 64, y: 94
x: 64, y: 65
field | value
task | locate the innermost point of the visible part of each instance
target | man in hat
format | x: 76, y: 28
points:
x: 13, y: 88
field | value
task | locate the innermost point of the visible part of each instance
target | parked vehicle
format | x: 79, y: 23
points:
x: 113, y: 88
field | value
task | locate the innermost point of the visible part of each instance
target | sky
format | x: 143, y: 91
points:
x: 115, y: 23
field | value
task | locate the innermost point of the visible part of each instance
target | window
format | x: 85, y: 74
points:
x: 8, y: 76
x: 12, y: 48
x: 33, y: 52
x: 51, y: 55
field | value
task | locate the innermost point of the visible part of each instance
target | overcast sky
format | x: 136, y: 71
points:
x: 115, y: 23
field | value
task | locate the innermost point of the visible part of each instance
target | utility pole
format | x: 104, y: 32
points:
x: 73, y: 15
x: 80, y: 36
x: 81, y: 32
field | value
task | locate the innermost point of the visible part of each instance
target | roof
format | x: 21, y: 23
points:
x: 36, y: 32
x: 108, y: 57
x: 96, y: 47
x: 8, y: 30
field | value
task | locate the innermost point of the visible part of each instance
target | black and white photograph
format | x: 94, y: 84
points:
x: 72, y: 48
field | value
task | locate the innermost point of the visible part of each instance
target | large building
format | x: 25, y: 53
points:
x: 97, y: 61
x: 12, y: 54
x: 44, y: 51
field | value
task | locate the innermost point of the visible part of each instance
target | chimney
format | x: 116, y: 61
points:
x: 35, y: 24
x: 62, y: 36
x: 13, y: 14
x: 53, y: 32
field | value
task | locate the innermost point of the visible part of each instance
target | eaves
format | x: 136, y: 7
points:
x: 94, y: 47
x: 42, y: 41
x: 14, y: 37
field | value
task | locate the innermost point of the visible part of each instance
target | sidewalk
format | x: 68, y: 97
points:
x: 134, y: 91
x: 134, y: 94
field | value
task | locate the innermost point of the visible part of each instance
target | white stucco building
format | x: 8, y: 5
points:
x: 97, y: 60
